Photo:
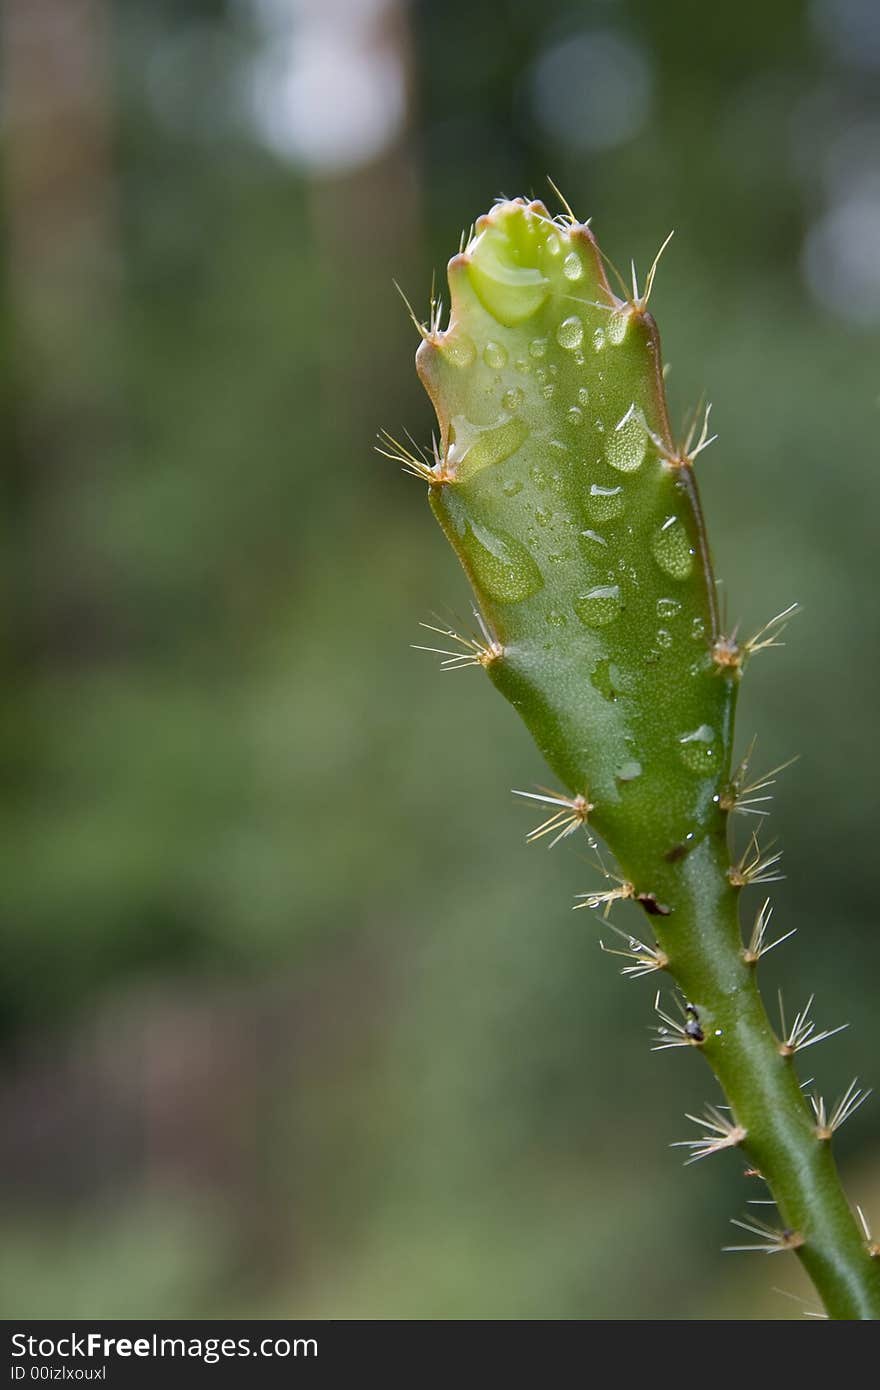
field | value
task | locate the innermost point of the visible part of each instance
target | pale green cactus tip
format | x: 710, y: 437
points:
x: 576, y: 517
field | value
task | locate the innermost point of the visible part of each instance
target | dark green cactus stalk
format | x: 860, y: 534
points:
x: 576, y: 516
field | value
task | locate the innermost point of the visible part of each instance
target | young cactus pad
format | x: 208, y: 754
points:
x: 576, y: 517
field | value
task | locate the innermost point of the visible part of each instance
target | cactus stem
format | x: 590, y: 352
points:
x: 772, y: 1240
x: 755, y: 865
x: 758, y: 944
x: 802, y: 1032
x: 570, y: 814
x: 646, y: 959
x: 719, y: 1133
x: 674, y: 1033
x: 472, y: 651
x: 828, y: 1122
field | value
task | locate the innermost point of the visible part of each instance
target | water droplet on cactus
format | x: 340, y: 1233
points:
x: 500, y: 565
x: 698, y: 629
x: 495, y: 355
x: 599, y: 606
x: 512, y: 399
x: 583, y: 395
x: 699, y: 751
x: 458, y: 349
x: 476, y: 448
x: 511, y: 486
x: 663, y: 638
x: 570, y: 333
x: 599, y: 339
x: 572, y: 266
x: 625, y: 446
x: 538, y: 347
x: 672, y: 549
x: 605, y: 503
x: 629, y: 771
x: 575, y: 415
x: 668, y: 608
x: 618, y: 324
x: 538, y: 475
x: 548, y: 391
x: 594, y: 537
x: 552, y: 245
x: 556, y: 619
x: 605, y: 678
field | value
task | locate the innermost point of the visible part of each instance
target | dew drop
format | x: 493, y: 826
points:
x: 495, y: 355
x: 458, y: 349
x: 548, y: 391
x: 599, y: 339
x: 511, y: 486
x: 668, y: 608
x: 538, y: 347
x: 478, y: 447
x: 538, y: 476
x: 543, y: 517
x: 672, y: 550
x: 572, y: 266
x: 570, y: 333
x: 500, y: 564
x: 629, y: 771
x: 552, y: 245
x: 512, y: 399
x: 663, y: 638
x: 605, y: 503
x: 583, y: 395
x: 698, y: 629
x: 698, y: 749
x: 599, y: 606
x: 626, y: 445
x: 575, y: 415
x: 594, y: 537
x: 556, y: 619
x: 618, y: 325
x: 604, y: 677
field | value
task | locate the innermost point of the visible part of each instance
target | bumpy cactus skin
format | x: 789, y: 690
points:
x: 576, y: 517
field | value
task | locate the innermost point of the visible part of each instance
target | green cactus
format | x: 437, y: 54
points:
x: 577, y: 519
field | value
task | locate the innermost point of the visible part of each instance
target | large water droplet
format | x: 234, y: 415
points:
x: 570, y: 333
x: 572, y: 266
x: 618, y: 324
x: 625, y: 446
x: 495, y: 356
x: 458, y: 349
x: 672, y: 550
x: 605, y: 503
x: 500, y: 564
x: 699, y: 751
x: 629, y: 771
x: 475, y: 448
x: 599, y: 606
x: 605, y: 677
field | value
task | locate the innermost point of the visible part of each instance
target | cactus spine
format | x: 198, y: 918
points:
x: 576, y: 516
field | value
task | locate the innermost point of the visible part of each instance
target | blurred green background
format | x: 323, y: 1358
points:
x: 292, y: 1022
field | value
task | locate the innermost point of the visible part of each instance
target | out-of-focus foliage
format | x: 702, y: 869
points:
x: 292, y: 1021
